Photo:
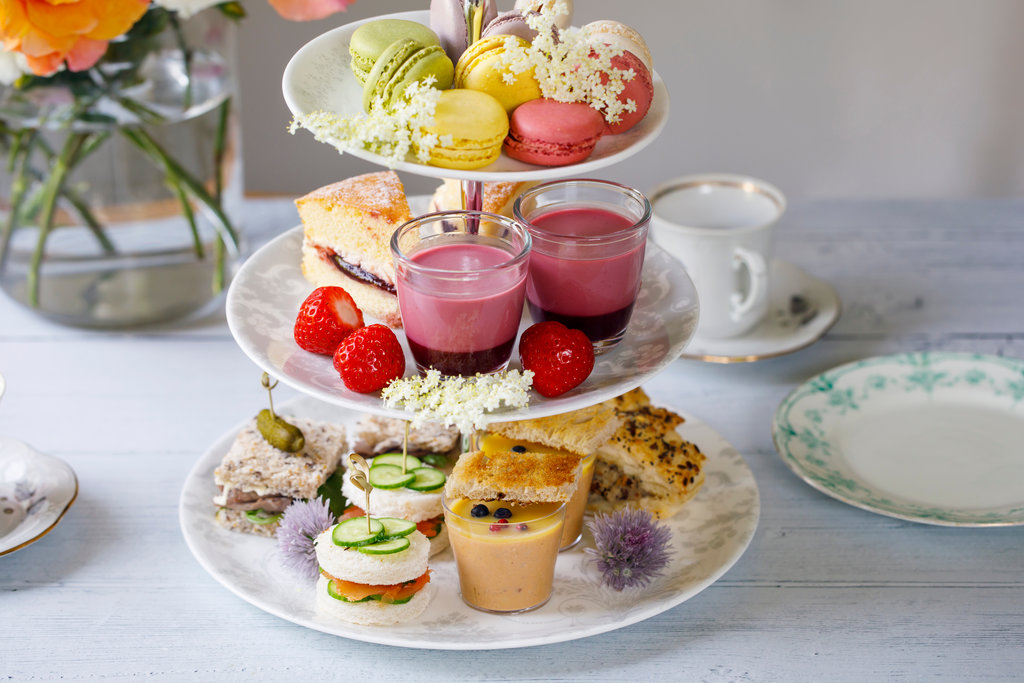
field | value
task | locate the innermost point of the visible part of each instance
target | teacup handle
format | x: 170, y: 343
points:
x: 758, y: 271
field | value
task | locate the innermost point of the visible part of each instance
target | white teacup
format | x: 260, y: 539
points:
x: 720, y: 226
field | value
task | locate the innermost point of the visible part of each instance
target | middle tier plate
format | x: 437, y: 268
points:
x: 265, y: 296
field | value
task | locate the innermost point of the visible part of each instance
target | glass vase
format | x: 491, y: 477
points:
x: 122, y: 187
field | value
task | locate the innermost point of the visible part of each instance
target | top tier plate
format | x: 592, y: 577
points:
x: 318, y: 78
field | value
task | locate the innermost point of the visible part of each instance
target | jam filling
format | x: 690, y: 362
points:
x: 355, y: 272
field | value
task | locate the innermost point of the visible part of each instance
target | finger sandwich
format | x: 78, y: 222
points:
x: 258, y: 482
x: 347, y: 228
x: 378, y: 582
x: 424, y: 508
x: 580, y: 432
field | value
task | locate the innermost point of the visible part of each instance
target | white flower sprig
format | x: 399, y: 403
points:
x: 462, y: 402
x: 569, y: 66
x: 392, y: 133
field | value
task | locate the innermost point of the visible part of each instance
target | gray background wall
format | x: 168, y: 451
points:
x: 825, y: 98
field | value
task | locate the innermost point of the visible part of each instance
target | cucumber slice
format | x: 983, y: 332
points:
x: 353, y: 532
x: 435, y: 460
x: 262, y: 517
x: 399, y: 601
x: 390, y: 477
x: 338, y: 596
x: 426, y: 479
x: 394, y: 545
x: 395, y: 527
x: 395, y: 459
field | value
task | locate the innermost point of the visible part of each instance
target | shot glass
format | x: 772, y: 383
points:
x: 572, y: 532
x: 589, y: 238
x: 461, y: 280
x: 505, y: 567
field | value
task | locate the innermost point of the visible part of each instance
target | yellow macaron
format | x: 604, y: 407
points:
x: 481, y: 68
x: 471, y: 126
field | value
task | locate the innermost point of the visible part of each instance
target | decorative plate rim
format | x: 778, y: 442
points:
x: 925, y: 514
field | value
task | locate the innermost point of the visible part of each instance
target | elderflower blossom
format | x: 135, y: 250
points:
x: 392, y: 133
x: 462, y: 402
x: 568, y: 65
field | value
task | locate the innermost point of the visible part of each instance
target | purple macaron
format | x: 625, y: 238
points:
x: 448, y: 21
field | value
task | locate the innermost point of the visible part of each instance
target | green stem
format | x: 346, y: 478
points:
x: 159, y: 155
x: 186, y: 210
x: 58, y: 172
x: 220, y: 145
x: 186, y: 57
x: 21, y: 150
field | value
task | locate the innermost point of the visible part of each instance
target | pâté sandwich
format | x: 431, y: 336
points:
x: 258, y: 481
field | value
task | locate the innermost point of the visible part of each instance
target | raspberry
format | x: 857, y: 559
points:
x: 560, y: 358
x: 369, y: 358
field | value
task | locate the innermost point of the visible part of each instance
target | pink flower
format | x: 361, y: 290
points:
x: 308, y: 10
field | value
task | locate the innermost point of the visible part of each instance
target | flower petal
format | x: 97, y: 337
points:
x: 307, y: 10
x: 85, y: 53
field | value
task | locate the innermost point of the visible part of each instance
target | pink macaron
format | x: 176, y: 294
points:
x: 639, y: 89
x: 550, y: 133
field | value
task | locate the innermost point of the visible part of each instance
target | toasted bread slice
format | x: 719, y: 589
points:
x: 580, y: 431
x: 519, y: 477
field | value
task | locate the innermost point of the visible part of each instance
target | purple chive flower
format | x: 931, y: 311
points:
x: 631, y: 549
x: 301, y: 523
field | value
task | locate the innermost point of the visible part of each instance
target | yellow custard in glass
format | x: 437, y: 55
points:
x: 505, y: 552
x: 577, y: 505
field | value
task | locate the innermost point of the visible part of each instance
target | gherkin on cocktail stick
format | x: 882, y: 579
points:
x: 279, y: 433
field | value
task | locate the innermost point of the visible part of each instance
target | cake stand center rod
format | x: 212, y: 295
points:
x: 472, y: 200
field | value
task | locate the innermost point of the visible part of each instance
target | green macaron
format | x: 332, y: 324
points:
x: 372, y: 38
x: 401, y: 64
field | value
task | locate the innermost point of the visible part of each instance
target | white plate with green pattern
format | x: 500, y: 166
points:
x: 929, y: 437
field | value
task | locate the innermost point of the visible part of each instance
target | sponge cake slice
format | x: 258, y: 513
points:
x: 347, y: 228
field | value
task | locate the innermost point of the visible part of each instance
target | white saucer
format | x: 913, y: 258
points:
x: 802, y: 309
x: 35, y: 492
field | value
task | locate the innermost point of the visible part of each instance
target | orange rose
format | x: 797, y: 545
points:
x: 51, y: 32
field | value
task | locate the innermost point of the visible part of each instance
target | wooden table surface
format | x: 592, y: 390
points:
x: 824, y: 592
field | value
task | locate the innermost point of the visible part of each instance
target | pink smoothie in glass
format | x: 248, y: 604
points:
x: 593, y: 291
x: 462, y: 322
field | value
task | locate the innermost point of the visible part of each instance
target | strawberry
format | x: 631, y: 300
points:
x: 369, y: 358
x: 560, y: 358
x: 327, y: 316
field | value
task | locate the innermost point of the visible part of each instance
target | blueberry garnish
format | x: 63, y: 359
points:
x: 502, y: 513
x: 480, y: 510
x: 519, y: 449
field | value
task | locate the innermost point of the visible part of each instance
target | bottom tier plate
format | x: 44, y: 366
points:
x: 709, y: 535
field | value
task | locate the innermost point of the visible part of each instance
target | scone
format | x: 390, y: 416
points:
x: 347, y: 228
x: 645, y: 463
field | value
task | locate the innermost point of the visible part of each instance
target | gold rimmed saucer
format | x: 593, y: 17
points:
x: 802, y: 308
